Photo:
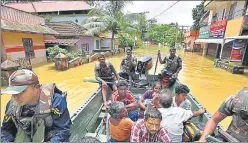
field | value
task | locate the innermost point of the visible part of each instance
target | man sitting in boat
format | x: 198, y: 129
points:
x: 36, y: 113
x: 124, y: 95
x: 150, y: 97
x: 180, y: 100
x: 173, y: 117
x: 148, y: 129
x: 236, y: 106
x: 119, y: 123
x: 173, y: 62
x: 105, y: 72
x: 128, y: 65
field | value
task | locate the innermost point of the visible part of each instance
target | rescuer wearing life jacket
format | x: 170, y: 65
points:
x: 128, y: 65
x: 36, y: 112
x: 237, y: 107
x: 173, y: 62
x: 105, y: 72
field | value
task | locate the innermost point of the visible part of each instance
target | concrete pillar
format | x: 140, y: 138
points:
x: 205, y: 49
x: 222, y: 46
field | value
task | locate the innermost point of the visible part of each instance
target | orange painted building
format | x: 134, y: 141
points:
x: 190, y: 37
x: 23, y: 35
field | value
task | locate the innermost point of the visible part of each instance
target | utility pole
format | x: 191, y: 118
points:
x: 176, y: 36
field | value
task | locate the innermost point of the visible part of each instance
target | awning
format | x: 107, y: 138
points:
x: 217, y: 41
x: 237, y: 37
x: 68, y: 42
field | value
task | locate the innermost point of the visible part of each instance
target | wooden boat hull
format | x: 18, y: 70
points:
x: 88, y: 118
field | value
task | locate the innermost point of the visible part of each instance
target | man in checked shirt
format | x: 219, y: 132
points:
x: 148, y: 129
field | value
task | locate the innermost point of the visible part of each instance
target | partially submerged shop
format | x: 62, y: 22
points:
x: 239, y: 50
x: 212, y: 37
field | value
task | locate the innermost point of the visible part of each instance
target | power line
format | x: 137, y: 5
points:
x: 165, y: 10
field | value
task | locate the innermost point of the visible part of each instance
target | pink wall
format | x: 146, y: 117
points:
x: 190, y: 37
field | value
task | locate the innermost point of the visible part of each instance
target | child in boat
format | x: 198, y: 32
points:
x: 180, y: 100
x: 119, y: 123
x: 124, y: 95
x: 150, y: 97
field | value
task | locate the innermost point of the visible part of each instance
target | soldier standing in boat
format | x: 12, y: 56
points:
x: 105, y: 72
x: 237, y: 107
x: 173, y: 62
x: 128, y: 64
x: 36, y: 113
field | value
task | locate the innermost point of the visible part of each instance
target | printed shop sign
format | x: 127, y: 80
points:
x: 204, y: 32
x: 217, y: 29
x: 238, y: 50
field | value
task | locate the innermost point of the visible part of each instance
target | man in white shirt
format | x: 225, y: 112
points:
x: 173, y: 117
x: 180, y: 100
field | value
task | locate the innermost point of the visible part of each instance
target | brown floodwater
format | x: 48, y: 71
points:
x: 211, y: 86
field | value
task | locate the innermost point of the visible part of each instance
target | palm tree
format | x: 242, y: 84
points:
x: 110, y: 19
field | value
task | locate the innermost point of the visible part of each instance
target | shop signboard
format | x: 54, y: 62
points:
x: 238, y: 50
x: 217, y: 29
x: 204, y: 32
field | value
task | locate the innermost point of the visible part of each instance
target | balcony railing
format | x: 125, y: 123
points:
x: 231, y: 16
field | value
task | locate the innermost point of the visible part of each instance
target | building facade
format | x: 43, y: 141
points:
x: 73, y: 38
x: 56, y: 11
x: 189, y: 38
x: 23, y: 35
x: 222, y: 20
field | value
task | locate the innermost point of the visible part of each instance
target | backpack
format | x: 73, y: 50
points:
x: 192, y: 131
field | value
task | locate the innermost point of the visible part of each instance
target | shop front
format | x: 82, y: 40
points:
x: 239, y: 50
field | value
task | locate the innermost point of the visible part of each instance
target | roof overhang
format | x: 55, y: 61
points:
x: 216, y: 41
x: 14, y: 26
x: 237, y: 37
x: 67, y: 42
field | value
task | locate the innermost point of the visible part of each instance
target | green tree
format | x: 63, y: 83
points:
x: 197, y: 13
x: 164, y: 34
x: 109, y: 18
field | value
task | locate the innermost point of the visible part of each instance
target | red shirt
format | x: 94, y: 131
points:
x: 129, y: 96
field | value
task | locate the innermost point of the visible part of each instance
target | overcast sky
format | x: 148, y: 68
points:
x: 180, y: 12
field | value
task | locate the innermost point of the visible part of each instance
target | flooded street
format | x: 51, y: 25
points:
x: 210, y: 86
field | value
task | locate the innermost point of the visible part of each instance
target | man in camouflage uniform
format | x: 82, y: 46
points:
x: 236, y: 106
x: 173, y: 62
x: 36, y: 113
x: 128, y: 64
x: 105, y: 72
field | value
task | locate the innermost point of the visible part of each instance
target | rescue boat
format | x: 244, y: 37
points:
x: 89, y: 119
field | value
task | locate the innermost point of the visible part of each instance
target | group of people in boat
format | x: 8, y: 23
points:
x: 157, y: 115
x: 38, y: 112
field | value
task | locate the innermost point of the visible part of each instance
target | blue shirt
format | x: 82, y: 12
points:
x: 60, y: 128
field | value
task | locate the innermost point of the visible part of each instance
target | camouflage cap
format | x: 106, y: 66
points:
x: 20, y: 80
